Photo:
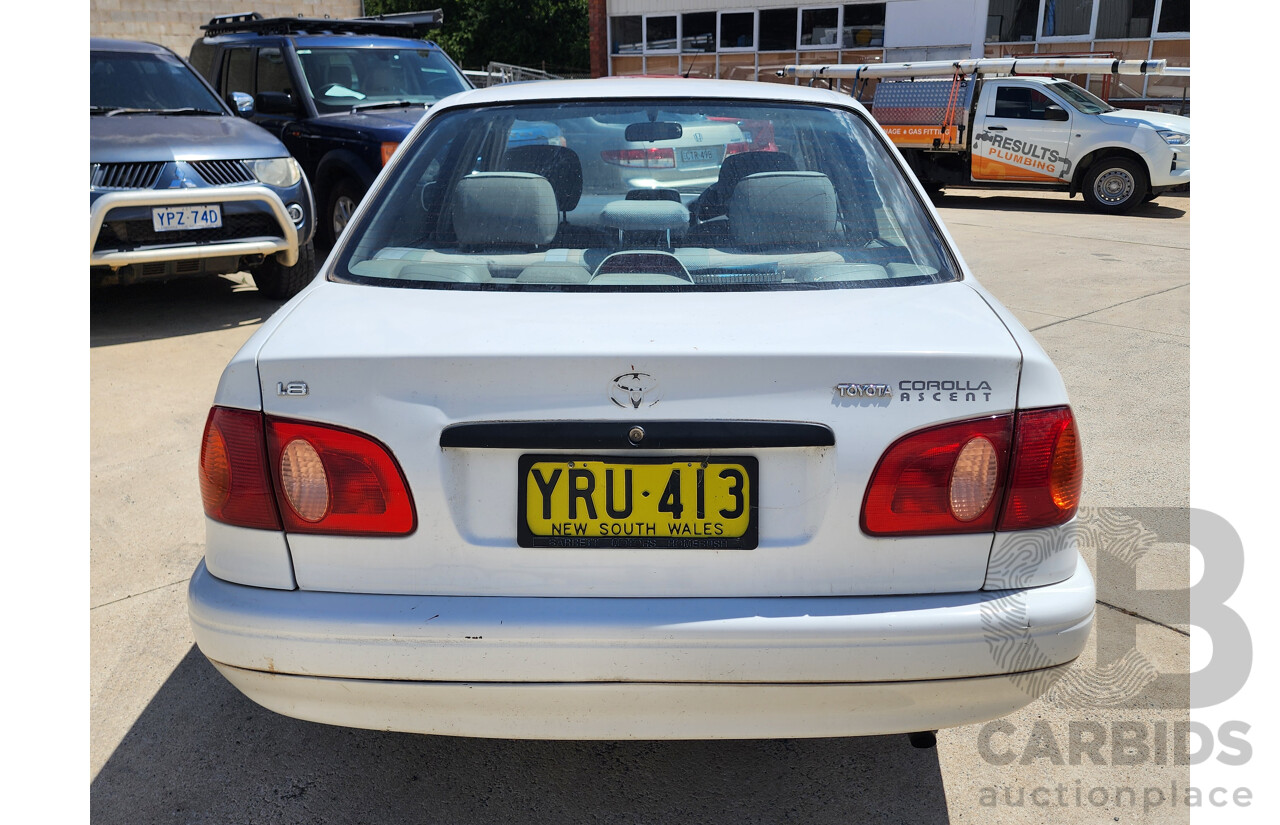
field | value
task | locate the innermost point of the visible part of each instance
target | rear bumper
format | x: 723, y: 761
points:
x: 633, y: 710
x: 642, y: 668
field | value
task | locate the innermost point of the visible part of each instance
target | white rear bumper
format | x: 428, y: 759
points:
x: 636, y: 710
x: 642, y: 668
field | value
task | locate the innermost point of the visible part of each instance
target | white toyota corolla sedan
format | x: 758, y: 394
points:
x: 756, y: 459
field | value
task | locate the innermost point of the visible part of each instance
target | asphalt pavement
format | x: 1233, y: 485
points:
x: 172, y: 742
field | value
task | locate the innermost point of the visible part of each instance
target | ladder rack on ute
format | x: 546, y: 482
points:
x: 981, y: 66
x: 389, y: 25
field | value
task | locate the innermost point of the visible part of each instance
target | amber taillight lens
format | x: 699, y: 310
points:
x: 233, y: 474
x: 1047, y: 477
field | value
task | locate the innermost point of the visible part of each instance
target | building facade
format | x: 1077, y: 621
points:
x: 753, y: 39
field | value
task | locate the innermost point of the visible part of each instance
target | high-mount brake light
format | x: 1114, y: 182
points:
x: 1001, y: 472
x: 273, y: 474
x: 336, y: 481
x: 233, y: 474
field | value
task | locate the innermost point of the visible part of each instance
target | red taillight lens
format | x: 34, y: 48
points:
x: 940, y: 480
x: 643, y: 158
x: 1048, y: 471
x: 233, y: 473
x: 1024, y: 471
x: 336, y: 481
x: 277, y: 474
x: 736, y: 148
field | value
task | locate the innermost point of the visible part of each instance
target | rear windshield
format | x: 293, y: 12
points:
x: 646, y: 195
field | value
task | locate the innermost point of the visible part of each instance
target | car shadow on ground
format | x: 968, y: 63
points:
x: 1167, y: 207
x: 150, y: 311
x: 201, y: 752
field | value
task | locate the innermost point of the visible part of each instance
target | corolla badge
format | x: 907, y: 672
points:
x: 633, y: 390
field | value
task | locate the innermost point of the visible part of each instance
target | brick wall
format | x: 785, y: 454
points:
x: 177, y: 25
x: 597, y: 22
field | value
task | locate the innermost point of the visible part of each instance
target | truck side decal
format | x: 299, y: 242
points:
x: 997, y: 157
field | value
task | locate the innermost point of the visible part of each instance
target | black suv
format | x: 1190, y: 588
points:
x: 340, y: 94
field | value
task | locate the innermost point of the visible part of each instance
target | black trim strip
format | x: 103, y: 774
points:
x: 616, y: 435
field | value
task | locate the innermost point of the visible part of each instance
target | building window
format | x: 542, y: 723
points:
x: 819, y: 27
x: 660, y: 34
x: 1067, y: 18
x: 698, y: 32
x: 737, y: 30
x: 1175, y: 16
x: 1010, y: 21
x: 627, y: 34
x: 1125, y: 18
x: 778, y: 30
x: 863, y: 26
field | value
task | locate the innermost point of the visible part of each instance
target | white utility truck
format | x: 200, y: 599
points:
x: 1007, y: 122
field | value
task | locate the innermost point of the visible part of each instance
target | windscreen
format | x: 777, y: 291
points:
x: 145, y: 82
x: 340, y: 79
x: 646, y: 195
x: 1081, y: 99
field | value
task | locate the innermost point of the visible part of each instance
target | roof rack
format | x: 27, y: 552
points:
x: 392, y: 25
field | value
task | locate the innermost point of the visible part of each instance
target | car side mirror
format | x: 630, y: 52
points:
x: 274, y: 103
x: 242, y: 102
x: 1055, y: 112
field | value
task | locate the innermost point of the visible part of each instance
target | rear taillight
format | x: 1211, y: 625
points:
x: 1003, y: 472
x: 1045, y: 488
x: 932, y: 481
x: 644, y: 158
x: 268, y: 472
x: 233, y: 470
x: 736, y: 148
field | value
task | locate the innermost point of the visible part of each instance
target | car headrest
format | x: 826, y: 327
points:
x: 783, y: 209
x: 505, y: 208
x: 558, y: 164
x: 736, y: 167
x: 714, y: 201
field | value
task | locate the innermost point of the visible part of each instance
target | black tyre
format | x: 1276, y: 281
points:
x: 1115, y: 185
x: 275, y: 280
x: 343, y: 198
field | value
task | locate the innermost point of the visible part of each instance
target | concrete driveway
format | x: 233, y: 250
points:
x: 171, y: 741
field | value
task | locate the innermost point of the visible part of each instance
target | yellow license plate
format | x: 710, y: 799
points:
x: 592, y: 501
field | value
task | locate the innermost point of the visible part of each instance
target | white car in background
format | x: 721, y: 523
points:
x: 763, y: 461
